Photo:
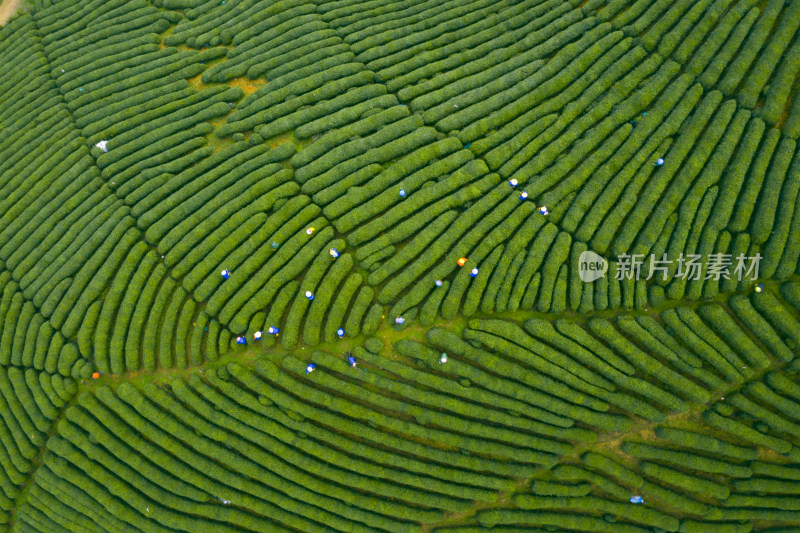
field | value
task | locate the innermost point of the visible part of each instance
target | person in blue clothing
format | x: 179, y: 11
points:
x: 309, y: 295
x: 513, y: 182
x: 241, y: 340
x: 636, y: 499
x: 226, y: 273
x: 340, y: 332
x: 310, y: 368
x: 543, y: 211
x: 438, y: 283
x: 659, y: 162
x: 402, y: 193
x: 273, y: 330
x: 523, y: 195
x: 474, y: 272
x: 352, y: 361
x: 257, y: 335
x: 334, y: 252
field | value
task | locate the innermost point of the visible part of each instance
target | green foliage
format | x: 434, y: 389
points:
x: 613, y: 469
x: 684, y: 481
x: 637, y: 513
x: 706, y: 443
x: 747, y: 433
x: 546, y: 415
x: 686, y: 459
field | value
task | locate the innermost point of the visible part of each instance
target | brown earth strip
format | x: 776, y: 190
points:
x: 8, y: 8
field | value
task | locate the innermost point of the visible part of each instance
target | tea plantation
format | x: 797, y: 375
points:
x: 320, y: 265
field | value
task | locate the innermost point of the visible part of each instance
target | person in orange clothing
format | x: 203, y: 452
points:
x: 462, y: 261
x: 95, y: 375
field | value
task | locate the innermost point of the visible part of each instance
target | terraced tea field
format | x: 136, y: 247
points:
x: 519, y: 265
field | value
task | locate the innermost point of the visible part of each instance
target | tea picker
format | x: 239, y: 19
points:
x: 310, y: 368
x: 226, y: 273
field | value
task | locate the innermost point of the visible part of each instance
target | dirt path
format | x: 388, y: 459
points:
x: 8, y: 8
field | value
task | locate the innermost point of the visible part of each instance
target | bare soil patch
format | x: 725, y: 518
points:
x: 8, y: 8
